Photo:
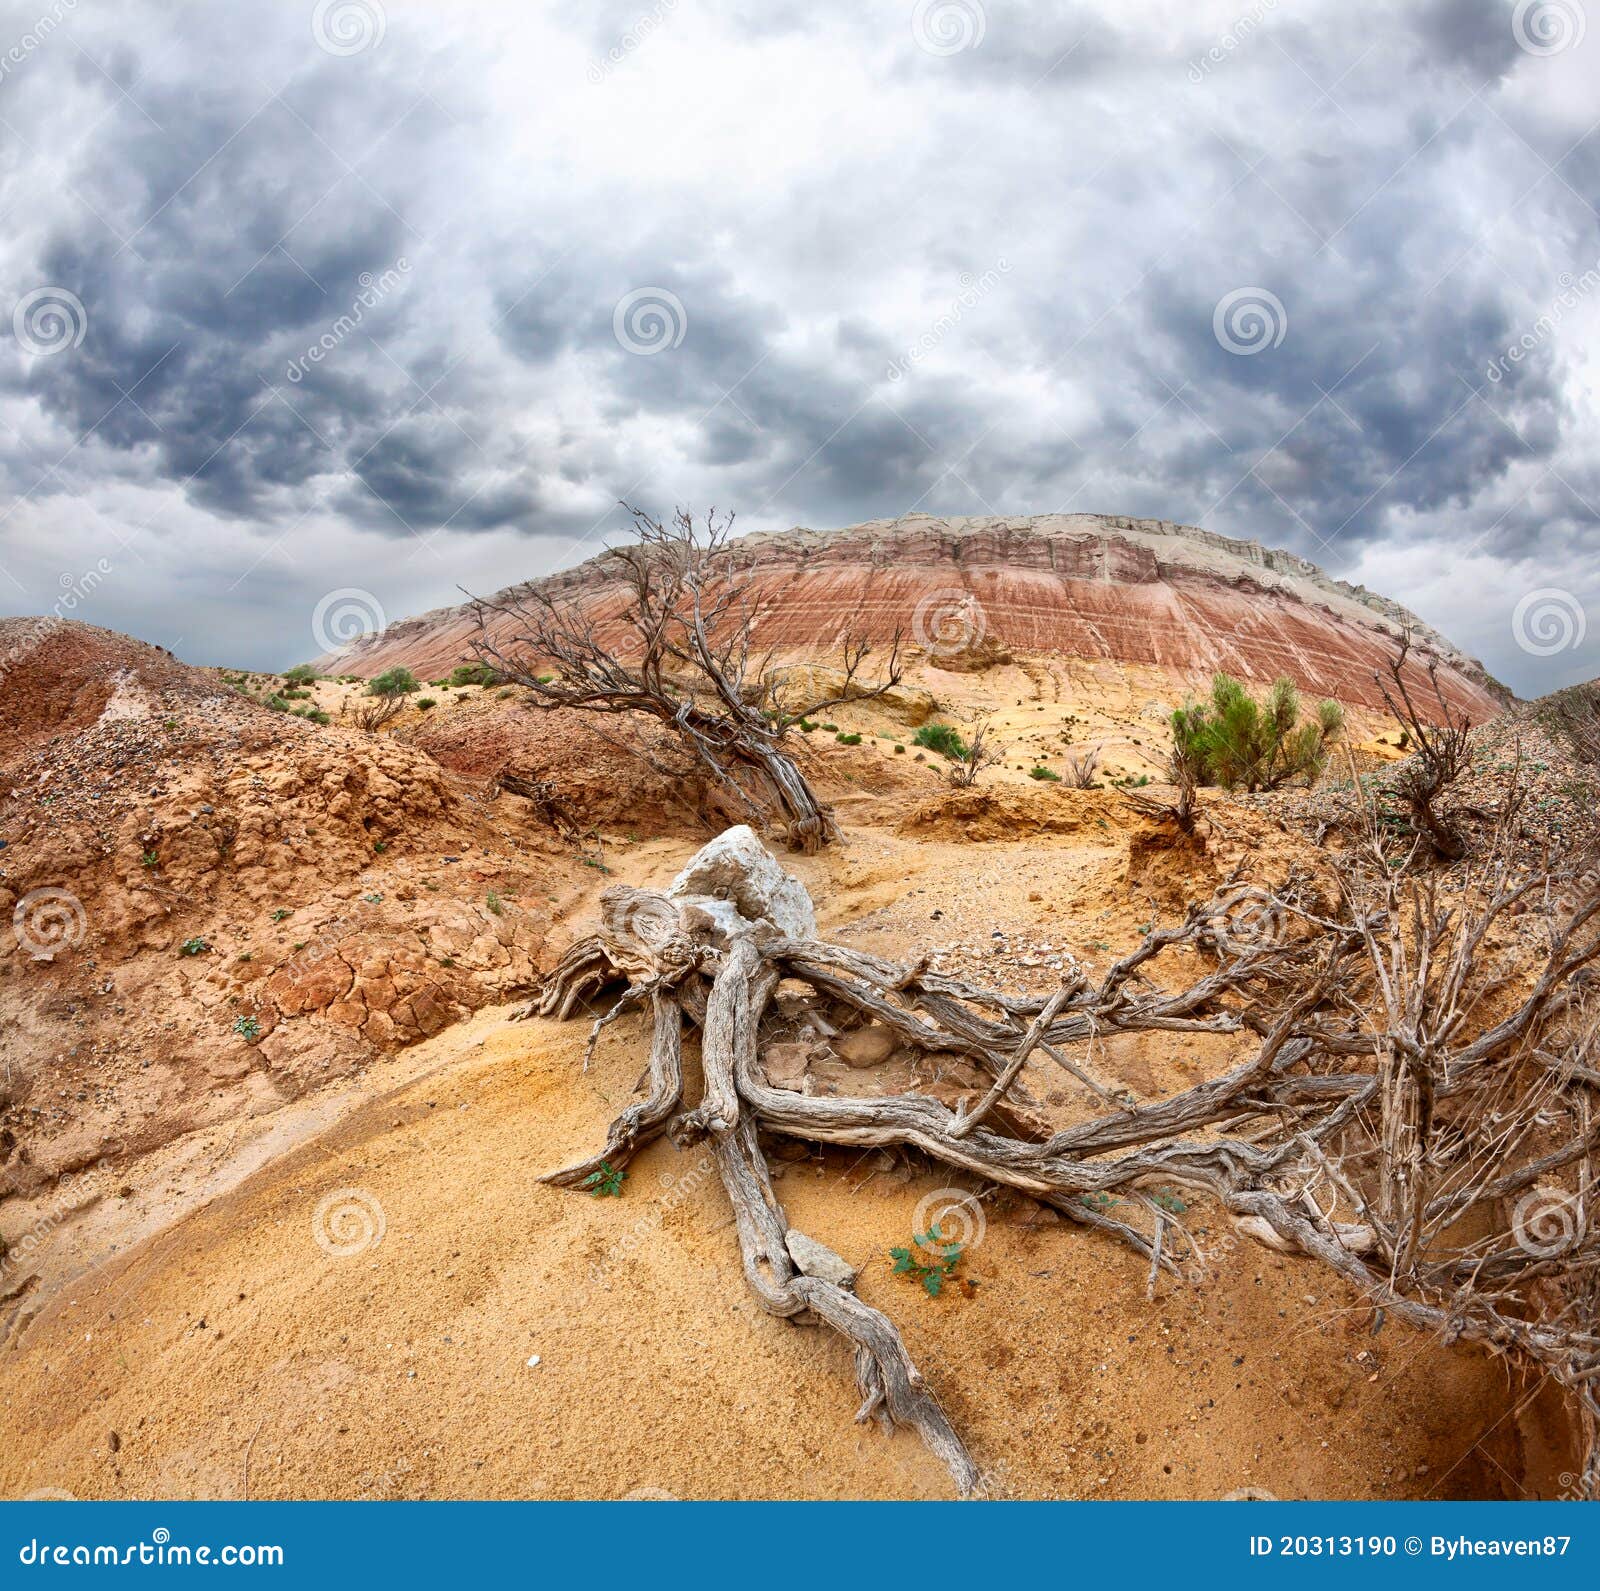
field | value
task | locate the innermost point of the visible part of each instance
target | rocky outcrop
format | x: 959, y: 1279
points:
x: 969, y: 591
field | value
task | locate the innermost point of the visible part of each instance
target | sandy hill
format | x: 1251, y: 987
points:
x: 1136, y: 592
x: 179, y: 1320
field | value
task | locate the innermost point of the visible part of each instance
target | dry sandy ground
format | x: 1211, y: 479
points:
x: 230, y: 1352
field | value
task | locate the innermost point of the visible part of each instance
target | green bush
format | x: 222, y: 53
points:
x: 942, y: 738
x: 847, y: 740
x: 1240, y: 743
x: 425, y: 702
x: 1040, y: 772
x: 300, y: 674
x: 397, y: 681
x: 473, y: 674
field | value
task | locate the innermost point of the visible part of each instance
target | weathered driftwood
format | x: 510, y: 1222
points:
x: 1367, y: 1119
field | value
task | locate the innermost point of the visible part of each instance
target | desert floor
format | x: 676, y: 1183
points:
x: 211, y: 1346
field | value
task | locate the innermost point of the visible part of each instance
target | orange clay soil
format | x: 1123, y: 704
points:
x: 187, y: 1334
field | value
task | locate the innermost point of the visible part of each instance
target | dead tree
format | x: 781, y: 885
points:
x: 680, y: 648
x: 977, y: 755
x: 1081, y: 767
x: 1442, y: 755
x: 1387, y: 1089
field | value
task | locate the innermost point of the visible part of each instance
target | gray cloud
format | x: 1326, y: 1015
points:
x: 350, y: 317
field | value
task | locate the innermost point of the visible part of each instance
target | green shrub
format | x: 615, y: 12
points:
x: 1240, y: 743
x: 942, y: 738
x: 300, y: 674
x: 473, y: 674
x: 426, y: 702
x: 847, y: 740
x: 1040, y: 772
x: 397, y: 681
x: 277, y: 704
x: 193, y: 947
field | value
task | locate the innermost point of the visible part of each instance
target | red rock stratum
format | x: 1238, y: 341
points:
x: 1136, y: 591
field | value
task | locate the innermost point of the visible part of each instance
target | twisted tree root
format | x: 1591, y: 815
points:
x: 1259, y: 1138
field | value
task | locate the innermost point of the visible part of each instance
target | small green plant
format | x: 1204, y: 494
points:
x: 300, y: 674
x: 1239, y: 743
x: 380, y: 846
x: 492, y: 901
x: 280, y: 913
x: 392, y: 682
x: 927, y: 1259
x: 150, y: 859
x: 194, y: 947
x: 426, y: 703
x: 374, y: 899
x: 1169, y: 1201
x: 1039, y: 771
x: 848, y: 740
x: 247, y: 1028
x: 606, y: 1183
x: 277, y: 704
x: 472, y: 674
x: 899, y: 750
x: 942, y: 738
x: 833, y: 729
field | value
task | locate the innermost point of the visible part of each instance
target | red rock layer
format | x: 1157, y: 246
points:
x: 1133, y: 591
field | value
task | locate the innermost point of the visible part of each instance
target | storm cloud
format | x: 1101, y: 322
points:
x: 406, y: 297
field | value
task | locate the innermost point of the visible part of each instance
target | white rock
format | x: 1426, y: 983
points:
x: 817, y: 1259
x: 533, y: 1361
x: 736, y: 867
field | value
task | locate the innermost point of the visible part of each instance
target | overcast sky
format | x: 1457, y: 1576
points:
x: 301, y: 298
